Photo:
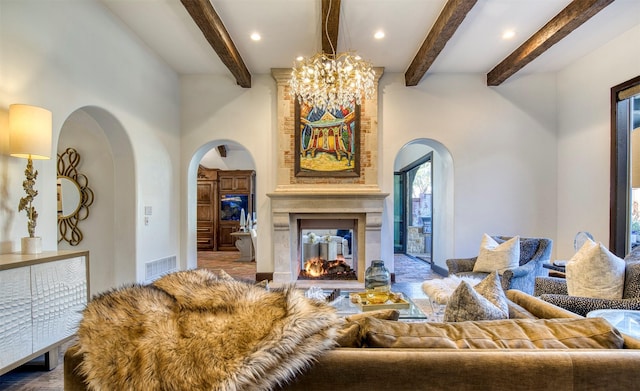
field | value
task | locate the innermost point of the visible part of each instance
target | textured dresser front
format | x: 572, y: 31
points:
x: 15, y: 315
x: 41, y: 300
x: 58, y: 294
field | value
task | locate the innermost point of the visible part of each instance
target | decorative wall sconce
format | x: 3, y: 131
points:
x: 30, y: 138
x: 74, y: 197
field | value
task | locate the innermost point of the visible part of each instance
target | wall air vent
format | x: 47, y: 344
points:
x: 159, y: 267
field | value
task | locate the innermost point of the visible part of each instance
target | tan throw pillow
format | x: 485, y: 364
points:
x: 497, y: 257
x: 595, y: 272
x: 386, y: 314
x: 486, y: 301
x: 349, y: 335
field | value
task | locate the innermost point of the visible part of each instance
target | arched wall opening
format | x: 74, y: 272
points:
x: 238, y: 158
x: 443, y: 196
x: 107, y: 160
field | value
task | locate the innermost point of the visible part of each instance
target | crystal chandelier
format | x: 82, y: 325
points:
x: 329, y: 81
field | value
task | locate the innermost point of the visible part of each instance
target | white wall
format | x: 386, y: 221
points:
x: 584, y: 137
x: 65, y: 55
x: 408, y: 154
x: 502, y: 141
x: 215, y: 108
x: 238, y: 158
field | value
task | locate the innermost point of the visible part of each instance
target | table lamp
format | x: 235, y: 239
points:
x: 30, y: 138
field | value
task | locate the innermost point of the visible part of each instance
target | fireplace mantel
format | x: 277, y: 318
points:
x: 318, y: 199
x: 327, y: 189
x: 288, y: 206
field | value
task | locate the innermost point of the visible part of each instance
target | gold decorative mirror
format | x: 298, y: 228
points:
x: 74, y: 197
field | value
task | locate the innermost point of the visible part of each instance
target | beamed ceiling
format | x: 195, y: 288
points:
x: 422, y: 36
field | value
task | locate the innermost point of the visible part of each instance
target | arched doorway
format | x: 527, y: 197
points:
x: 224, y: 177
x: 423, y: 201
x: 109, y: 231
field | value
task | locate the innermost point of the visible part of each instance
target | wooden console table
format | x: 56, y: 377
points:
x: 244, y: 244
x: 41, y: 299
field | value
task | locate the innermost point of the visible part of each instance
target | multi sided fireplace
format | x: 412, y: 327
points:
x: 299, y: 213
x: 328, y: 249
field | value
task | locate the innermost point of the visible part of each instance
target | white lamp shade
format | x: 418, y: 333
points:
x: 29, y: 132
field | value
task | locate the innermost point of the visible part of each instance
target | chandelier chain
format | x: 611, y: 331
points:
x: 326, y: 29
x: 331, y: 81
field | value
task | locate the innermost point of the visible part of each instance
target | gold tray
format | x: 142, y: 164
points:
x: 399, y: 303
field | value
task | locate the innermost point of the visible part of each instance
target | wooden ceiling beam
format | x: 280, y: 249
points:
x: 569, y: 19
x: 216, y: 34
x: 330, y: 26
x: 443, y: 29
x: 222, y: 150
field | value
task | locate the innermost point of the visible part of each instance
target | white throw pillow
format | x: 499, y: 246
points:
x: 497, y: 257
x: 595, y: 272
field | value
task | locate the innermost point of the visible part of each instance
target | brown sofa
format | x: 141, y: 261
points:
x: 463, y: 369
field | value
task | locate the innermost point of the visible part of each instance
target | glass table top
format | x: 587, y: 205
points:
x: 345, y: 308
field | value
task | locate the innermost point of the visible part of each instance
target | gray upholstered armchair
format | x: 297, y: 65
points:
x: 533, y: 253
x: 554, y: 291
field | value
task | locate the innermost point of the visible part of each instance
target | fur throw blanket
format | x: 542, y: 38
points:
x: 440, y: 289
x: 191, y: 330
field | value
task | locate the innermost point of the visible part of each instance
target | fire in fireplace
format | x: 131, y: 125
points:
x: 320, y: 269
x: 326, y: 250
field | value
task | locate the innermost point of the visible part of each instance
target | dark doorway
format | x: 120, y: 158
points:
x: 625, y: 121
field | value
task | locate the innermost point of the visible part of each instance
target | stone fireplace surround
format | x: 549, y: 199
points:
x: 365, y: 207
x: 356, y: 198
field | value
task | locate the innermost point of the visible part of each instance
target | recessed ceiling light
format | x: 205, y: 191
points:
x: 508, y: 34
x: 256, y: 37
x: 379, y: 34
x: 299, y: 58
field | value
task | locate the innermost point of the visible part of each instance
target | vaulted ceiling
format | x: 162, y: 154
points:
x: 421, y: 36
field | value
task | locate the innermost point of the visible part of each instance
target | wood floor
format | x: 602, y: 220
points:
x: 407, y: 269
x: 227, y: 261
x: 410, y: 273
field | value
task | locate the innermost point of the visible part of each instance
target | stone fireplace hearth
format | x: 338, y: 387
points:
x: 289, y: 208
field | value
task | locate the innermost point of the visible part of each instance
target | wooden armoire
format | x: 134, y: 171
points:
x: 217, y: 190
x: 207, y: 211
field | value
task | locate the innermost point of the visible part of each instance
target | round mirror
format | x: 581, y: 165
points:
x: 69, y: 197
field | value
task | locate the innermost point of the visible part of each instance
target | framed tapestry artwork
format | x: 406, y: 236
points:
x: 327, y: 142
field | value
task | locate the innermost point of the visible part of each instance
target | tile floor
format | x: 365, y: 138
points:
x: 409, y: 272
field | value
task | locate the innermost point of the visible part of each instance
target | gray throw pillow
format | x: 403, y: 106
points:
x: 486, y: 301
